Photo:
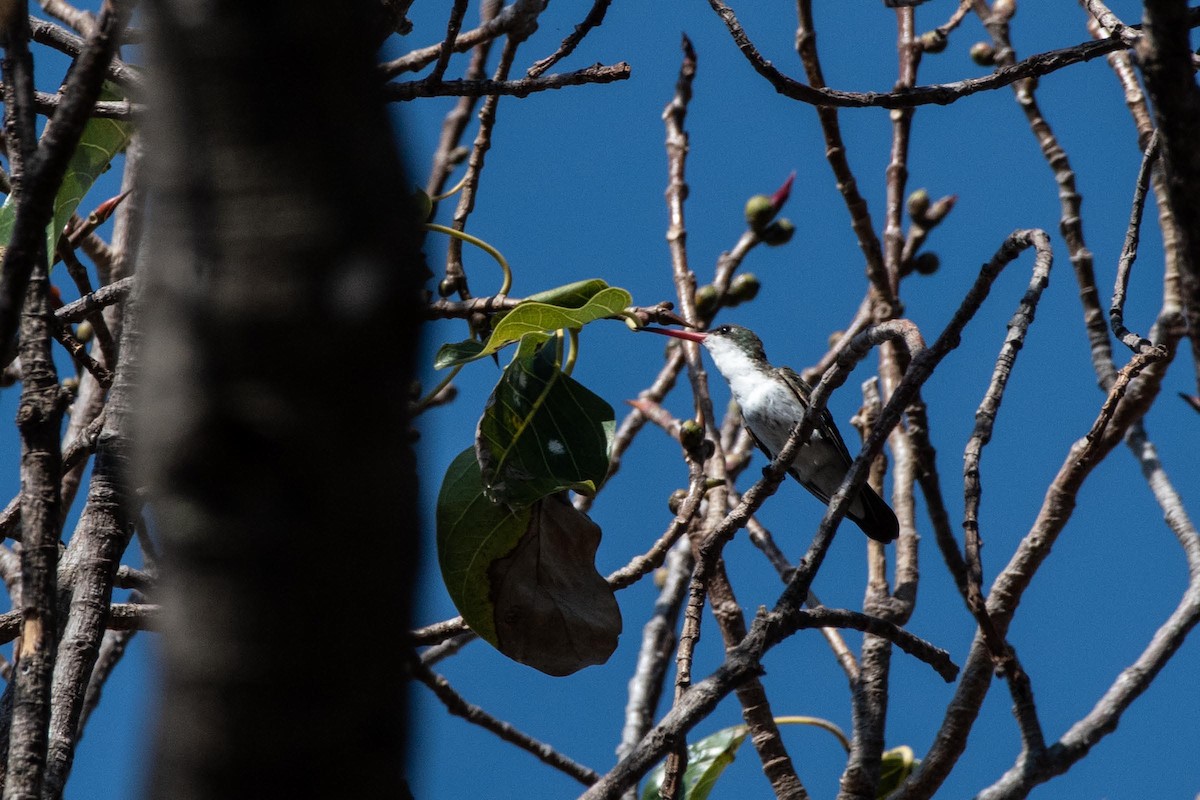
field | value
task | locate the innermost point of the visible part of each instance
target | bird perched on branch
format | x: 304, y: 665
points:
x: 772, y: 400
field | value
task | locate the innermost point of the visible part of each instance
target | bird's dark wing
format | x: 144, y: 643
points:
x: 825, y: 423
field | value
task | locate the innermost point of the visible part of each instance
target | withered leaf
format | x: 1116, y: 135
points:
x: 553, y: 610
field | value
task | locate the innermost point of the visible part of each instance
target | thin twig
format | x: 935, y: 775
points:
x: 520, y: 87
x: 594, y: 17
x: 78, y: 310
x: 985, y: 420
x: 658, y: 641
x: 939, y: 94
x: 121, y: 616
x: 60, y: 39
x: 1116, y: 312
x: 835, y: 154
x: 493, y: 27
x: 1070, y: 201
x: 457, y: 705
x: 453, y: 26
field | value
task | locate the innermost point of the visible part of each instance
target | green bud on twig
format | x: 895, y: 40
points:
x: 939, y: 210
x: 759, y: 212
x: 691, y: 434
x: 744, y: 289
x: 933, y: 41
x: 778, y: 232
x: 918, y: 205
x: 983, y: 54
x: 706, y: 300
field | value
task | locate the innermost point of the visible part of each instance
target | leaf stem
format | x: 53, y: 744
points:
x: 424, y: 402
x: 482, y: 245
x: 451, y: 191
x: 569, y: 366
x: 818, y: 723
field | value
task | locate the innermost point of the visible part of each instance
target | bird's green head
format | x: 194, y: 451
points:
x: 725, y: 338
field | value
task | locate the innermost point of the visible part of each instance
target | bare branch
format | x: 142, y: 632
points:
x: 594, y: 17
x: 520, y: 87
x: 938, y: 94
x: 458, y: 706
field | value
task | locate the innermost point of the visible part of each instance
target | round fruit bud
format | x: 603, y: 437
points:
x: 927, y: 263
x: 744, y: 288
x: 706, y: 300
x: 778, y: 232
x: 84, y: 332
x: 660, y: 577
x: 918, y: 204
x: 422, y: 205
x: 983, y: 54
x: 71, y: 385
x: 707, y: 449
x: 447, y: 287
x: 675, y: 501
x: 933, y: 41
x: 759, y: 212
x: 691, y: 434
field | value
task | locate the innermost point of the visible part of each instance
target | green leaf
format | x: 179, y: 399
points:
x: 542, y: 431
x: 529, y: 317
x: 454, y: 353
x: 102, y: 139
x: 898, y: 764
x: 472, y: 532
x: 570, y: 306
x: 525, y: 580
x: 707, y: 759
x: 572, y: 295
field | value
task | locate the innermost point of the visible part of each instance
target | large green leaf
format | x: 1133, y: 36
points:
x: 102, y: 139
x: 571, y: 295
x: 472, y: 532
x: 707, y: 759
x: 542, y: 431
x: 571, y: 306
x: 525, y: 580
x: 530, y: 317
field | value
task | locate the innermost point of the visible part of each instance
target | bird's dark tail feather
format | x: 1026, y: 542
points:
x: 880, y: 521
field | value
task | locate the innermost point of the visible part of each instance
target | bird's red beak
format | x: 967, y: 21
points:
x: 691, y: 336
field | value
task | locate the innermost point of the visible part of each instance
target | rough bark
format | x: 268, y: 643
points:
x: 280, y: 329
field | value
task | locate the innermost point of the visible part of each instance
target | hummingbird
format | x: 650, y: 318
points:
x: 772, y: 400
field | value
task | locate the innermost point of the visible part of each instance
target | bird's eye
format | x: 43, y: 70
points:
x: 724, y: 329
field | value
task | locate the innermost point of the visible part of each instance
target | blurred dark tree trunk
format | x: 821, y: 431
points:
x: 280, y: 329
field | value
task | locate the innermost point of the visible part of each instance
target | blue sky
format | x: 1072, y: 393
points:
x: 573, y: 189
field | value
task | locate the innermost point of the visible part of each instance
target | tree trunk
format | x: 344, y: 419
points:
x: 281, y: 322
